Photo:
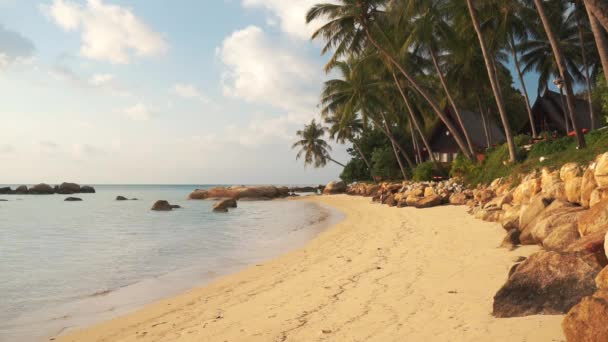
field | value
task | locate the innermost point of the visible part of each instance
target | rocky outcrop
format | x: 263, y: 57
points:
x: 42, y: 189
x: 21, y: 190
x: 241, y: 192
x: 334, y: 187
x: 68, y: 188
x: 546, y: 283
x: 6, y: 191
x: 530, y: 186
x: 162, y: 205
x: 223, y: 205
x: 86, y: 189
x: 594, y: 219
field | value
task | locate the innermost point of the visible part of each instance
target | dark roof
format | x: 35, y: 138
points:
x: 441, y: 141
x: 549, y: 113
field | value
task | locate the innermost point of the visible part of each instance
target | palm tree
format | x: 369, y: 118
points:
x: 349, y: 131
x: 428, y: 31
x: 312, y: 146
x: 578, y: 13
x: 491, y: 68
x: 349, y: 29
x: 599, y: 9
x: 601, y: 41
x: 561, y: 65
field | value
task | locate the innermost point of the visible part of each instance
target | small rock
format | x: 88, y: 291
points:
x: 73, y: 199
x: 121, y: 198
x: 162, y: 206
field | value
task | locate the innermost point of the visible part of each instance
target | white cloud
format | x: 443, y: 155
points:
x: 260, y: 70
x: 138, y: 112
x: 84, y: 151
x: 14, y: 48
x: 189, y: 91
x: 101, y: 79
x: 109, y: 32
x: 290, y: 14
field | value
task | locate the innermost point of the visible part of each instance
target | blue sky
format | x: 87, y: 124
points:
x: 108, y: 91
x: 158, y: 91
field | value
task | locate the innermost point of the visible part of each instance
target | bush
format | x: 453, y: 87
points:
x: 462, y: 167
x: 426, y: 171
x: 355, y: 171
x: 548, y: 147
x: 384, y: 163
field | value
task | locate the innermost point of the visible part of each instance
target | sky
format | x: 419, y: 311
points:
x: 157, y: 91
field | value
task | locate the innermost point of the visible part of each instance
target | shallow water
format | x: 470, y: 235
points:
x: 65, y: 265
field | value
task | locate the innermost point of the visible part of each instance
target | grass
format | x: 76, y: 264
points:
x: 556, y: 152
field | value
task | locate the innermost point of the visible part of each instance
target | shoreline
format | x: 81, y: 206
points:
x: 100, y: 305
x: 379, y: 274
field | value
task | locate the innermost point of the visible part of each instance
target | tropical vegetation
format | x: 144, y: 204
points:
x: 400, y: 68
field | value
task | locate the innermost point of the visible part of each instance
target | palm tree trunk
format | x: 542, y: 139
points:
x: 369, y: 167
x: 581, y: 39
x: 523, y: 85
x: 336, y: 162
x: 414, y: 135
x: 561, y: 65
x: 422, y: 92
x: 494, y: 83
x: 451, y: 100
x: 396, y: 147
x: 390, y: 135
x: 601, y: 40
x: 414, y: 119
x: 485, y: 124
x: 599, y: 8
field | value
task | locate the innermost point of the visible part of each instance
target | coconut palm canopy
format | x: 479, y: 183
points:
x: 313, y: 147
x: 401, y: 65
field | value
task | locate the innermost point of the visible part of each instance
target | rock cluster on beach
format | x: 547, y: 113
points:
x: 241, y: 193
x: 564, y: 211
x: 45, y: 189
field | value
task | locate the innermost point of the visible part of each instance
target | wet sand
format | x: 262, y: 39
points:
x: 381, y: 274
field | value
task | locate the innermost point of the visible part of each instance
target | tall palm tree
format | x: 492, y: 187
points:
x: 349, y: 29
x: 491, y: 68
x: 601, y: 39
x: 578, y: 13
x: 312, y: 145
x: 599, y: 8
x: 429, y: 28
x: 565, y: 76
x: 347, y: 132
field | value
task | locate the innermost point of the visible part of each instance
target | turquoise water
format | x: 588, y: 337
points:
x: 65, y: 265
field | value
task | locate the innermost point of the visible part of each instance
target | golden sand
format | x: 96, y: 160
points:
x: 381, y: 274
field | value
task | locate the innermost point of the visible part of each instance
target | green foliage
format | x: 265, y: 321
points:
x: 424, y: 172
x: 600, y: 95
x: 463, y: 167
x: 548, y: 147
x: 384, y: 163
x: 355, y: 171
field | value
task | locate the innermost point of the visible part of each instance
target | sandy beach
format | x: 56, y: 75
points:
x: 381, y: 274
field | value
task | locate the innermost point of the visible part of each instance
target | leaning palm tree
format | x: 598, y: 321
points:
x: 563, y: 71
x: 600, y: 36
x: 343, y: 132
x: 312, y: 145
x: 599, y: 9
x: 491, y: 68
x: 352, y: 25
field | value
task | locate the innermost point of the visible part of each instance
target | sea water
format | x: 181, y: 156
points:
x: 66, y: 265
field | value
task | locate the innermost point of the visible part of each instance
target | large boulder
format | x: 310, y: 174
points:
x: 429, y: 201
x: 565, y: 217
x: 86, y: 189
x: 587, y: 321
x: 530, y: 214
x: 162, y: 205
x: 601, y: 170
x: 6, y: 191
x: 499, y: 201
x: 588, y: 184
x: 42, y: 189
x: 511, y: 240
x: 21, y: 190
x: 530, y: 186
x: 594, y: 219
x: 546, y: 283
x: 561, y: 237
x: 573, y: 189
x: 334, y: 187
x: 483, y: 196
x: 570, y: 171
x: 598, y: 195
x: 68, y: 188
x: 223, y: 205
x: 240, y: 192
x: 510, y: 218
x: 458, y: 199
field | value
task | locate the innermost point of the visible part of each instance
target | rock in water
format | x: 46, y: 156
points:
x: 334, y: 187
x: 85, y: 189
x: 546, y: 283
x: 6, y: 191
x: 73, y: 199
x: 21, y: 190
x: 162, y: 206
x: 121, y: 198
x: 42, y: 189
x: 68, y: 188
x: 223, y: 205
